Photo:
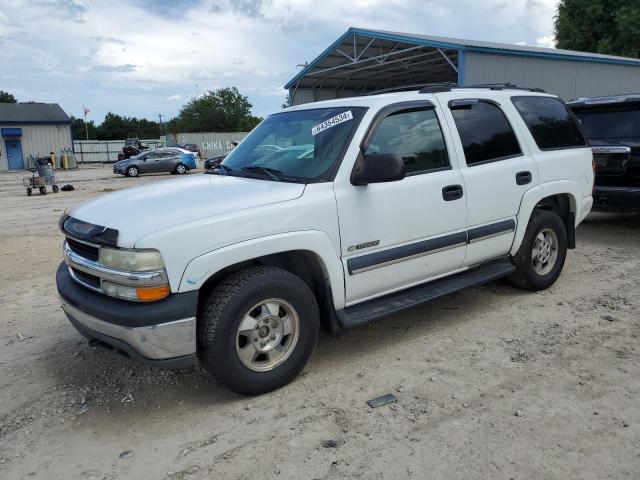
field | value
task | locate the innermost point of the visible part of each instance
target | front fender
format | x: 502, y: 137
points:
x: 203, y: 267
x: 531, y: 198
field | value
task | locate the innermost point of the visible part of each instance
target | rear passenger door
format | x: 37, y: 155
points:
x: 497, y: 171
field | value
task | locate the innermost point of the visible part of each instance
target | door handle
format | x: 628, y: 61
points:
x: 522, y: 178
x: 452, y: 192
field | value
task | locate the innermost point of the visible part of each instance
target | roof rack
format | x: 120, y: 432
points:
x: 490, y: 86
x: 404, y: 88
x: 448, y: 86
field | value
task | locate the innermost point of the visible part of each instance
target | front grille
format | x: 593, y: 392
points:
x: 84, y: 250
x: 87, y: 279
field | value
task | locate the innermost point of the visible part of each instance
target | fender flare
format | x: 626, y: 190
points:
x: 201, y: 268
x: 531, y: 198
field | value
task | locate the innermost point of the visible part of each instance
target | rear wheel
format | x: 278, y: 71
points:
x: 181, y: 169
x: 43, y: 190
x: 55, y: 189
x: 257, y: 329
x: 28, y: 192
x: 133, y: 171
x: 541, y: 256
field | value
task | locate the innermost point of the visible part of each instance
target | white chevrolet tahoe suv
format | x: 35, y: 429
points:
x: 330, y: 214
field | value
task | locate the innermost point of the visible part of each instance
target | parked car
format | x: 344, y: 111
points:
x: 191, y: 147
x: 174, y: 160
x: 211, y: 162
x: 391, y: 201
x: 612, y: 126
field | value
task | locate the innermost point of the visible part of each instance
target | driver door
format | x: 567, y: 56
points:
x: 403, y: 233
x: 151, y: 162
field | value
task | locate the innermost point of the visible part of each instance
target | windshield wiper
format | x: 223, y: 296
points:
x: 227, y: 170
x: 272, y: 173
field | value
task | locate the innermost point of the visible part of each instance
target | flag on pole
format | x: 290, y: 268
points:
x: 86, y: 111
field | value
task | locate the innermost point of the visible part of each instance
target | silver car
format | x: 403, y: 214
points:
x: 174, y: 160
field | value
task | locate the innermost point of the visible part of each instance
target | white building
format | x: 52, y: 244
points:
x: 32, y: 129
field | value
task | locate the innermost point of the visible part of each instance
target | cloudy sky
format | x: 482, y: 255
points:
x: 144, y: 57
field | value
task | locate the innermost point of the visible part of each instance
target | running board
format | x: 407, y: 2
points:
x: 371, y: 310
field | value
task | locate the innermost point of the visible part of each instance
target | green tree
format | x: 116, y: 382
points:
x: 117, y: 127
x: 78, y: 129
x: 223, y: 110
x: 603, y: 26
x: 6, y: 97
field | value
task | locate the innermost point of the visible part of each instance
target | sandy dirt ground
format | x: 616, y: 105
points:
x: 492, y: 382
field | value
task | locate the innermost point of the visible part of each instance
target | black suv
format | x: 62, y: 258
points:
x: 612, y: 126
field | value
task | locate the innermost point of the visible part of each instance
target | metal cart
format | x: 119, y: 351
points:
x: 41, y: 176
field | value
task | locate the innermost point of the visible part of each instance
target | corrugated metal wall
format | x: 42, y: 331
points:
x: 104, y: 151
x: 305, y: 95
x: 211, y: 144
x: 567, y: 79
x: 39, y: 140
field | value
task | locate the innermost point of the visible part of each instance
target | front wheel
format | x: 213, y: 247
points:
x: 181, y: 169
x: 133, y: 171
x: 257, y: 329
x: 541, y: 256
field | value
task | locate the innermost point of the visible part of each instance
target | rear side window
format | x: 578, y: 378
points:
x: 484, y: 130
x: 551, y: 124
x: 609, y: 123
x: 416, y: 137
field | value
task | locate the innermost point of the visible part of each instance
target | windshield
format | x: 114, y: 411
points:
x: 302, y: 146
x: 623, y: 122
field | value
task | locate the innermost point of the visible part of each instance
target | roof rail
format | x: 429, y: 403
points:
x: 504, y: 86
x: 404, y: 88
x: 448, y: 86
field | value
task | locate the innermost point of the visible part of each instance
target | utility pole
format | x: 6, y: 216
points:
x: 196, y: 90
x: 161, y: 125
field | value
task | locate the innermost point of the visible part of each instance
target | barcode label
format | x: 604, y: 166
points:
x: 332, y: 122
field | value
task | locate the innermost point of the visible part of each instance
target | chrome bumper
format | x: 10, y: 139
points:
x: 152, y: 342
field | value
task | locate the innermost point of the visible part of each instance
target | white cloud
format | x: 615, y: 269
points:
x: 548, y: 41
x: 97, y: 53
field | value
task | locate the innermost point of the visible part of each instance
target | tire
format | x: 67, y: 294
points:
x: 43, y: 190
x: 55, y: 189
x: 29, y: 192
x: 533, y: 273
x: 181, y: 169
x: 254, y: 292
x: 132, y: 171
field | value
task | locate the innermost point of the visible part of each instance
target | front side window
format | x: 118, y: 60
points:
x: 413, y: 135
x: 610, y: 123
x: 300, y: 146
x: 485, y: 132
x: 551, y: 124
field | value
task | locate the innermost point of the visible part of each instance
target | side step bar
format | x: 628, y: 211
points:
x: 371, y: 310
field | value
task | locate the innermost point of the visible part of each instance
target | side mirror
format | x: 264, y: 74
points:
x: 377, y: 168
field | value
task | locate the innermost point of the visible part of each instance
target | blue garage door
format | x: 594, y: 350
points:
x: 14, y: 153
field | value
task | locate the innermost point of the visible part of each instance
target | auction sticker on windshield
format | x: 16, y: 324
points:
x: 332, y: 122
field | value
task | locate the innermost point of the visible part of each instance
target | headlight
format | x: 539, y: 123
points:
x: 131, y: 260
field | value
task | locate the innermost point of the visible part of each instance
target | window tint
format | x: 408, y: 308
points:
x: 485, y: 133
x: 550, y: 122
x: 413, y: 135
x: 610, y: 123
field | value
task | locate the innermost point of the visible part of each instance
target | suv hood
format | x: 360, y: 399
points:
x: 138, y: 211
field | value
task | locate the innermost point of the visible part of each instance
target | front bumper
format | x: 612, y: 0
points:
x: 616, y: 198
x: 161, y: 333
